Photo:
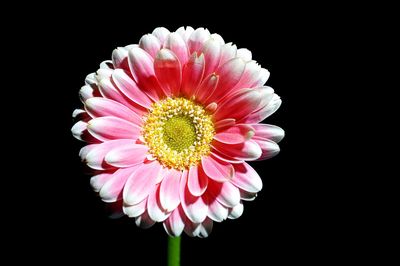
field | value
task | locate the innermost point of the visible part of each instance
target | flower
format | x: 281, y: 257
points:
x: 171, y: 122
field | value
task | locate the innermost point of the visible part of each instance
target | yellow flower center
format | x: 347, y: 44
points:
x: 178, y: 132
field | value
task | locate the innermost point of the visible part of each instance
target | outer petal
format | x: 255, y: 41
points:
x: 264, y: 112
x: 270, y: 132
x: 175, y: 223
x: 161, y: 33
x: 269, y: 148
x: 247, y: 151
x: 144, y: 221
x: 135, y: 210
x: 80, y: 132
x: 216, y: 169
x: 177, y: 45
x: 112, y: 189
x: 98, y: 181
x: 216, y: 211
x: 246, y: 178
x: 110, y: 128
x: 244, y: 53
x: 212, y: 54
x: 197, y: 181
x: 207, y: 88
x: 197, y: 39
x: 236, y: 211
x: 169, y: 190
x: 226, y: 193
x: 195, y: 208
x: 120, y: 58
x: 154, y: 208
x: 192, y: 74
x: 150, y: 44
x: 127, y: 155
x: 236, y: 134
x: 228, y: 52
x: 185, y: 33
x: 168, y: 70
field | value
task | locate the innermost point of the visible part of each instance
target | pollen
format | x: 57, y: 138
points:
x: 178, y: 132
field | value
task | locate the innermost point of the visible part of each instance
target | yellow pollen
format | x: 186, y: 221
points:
x: 178, y: 132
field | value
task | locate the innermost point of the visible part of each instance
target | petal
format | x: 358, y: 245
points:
x: 228, y: 52
x: 130, y: 89
x: 141, y: 183
x: 264, y: 112
x: 247, y: 178
x: 120, y: 58
x: 224, y: 158
x: 247, y: 196
x: 185, y: 33
x: 127, y: 155
x: 247, y: 151
x: 142, y: 68
x: 154, y: 208
x: 112, y: 189
x: 161, y: 33
x: 263, y: 77
x: 269, y: 148
x: 168, y: 70
x: 80, y: 132
x: 212, y: 55
x: 236, y: 134
x: 236, y: 211
x: 90, y: 79
x: 177, y: 45
x: 194, y: 207
x: 175, y: 223
x: 87, y: 92
x: 197, y: 39
x: 192, y: 74
x: 110, y: 128
x: 169, y: 190
x: 205, y: 228
x: 216, y: 211
x: 244, y: 53
x: 227, y: 122
x: 144, y: 221
x: 226, y: 193
x: 218, y: 38
x: 98, y: 107
x: 207, y: 88
x: 107, y: 64
x: 98, y: 181
x: 85, y: 150
x: 197, y: 181
x: 103, y: 74
x: 239, y: 105
x: 217, y: 169
x: 270, y: 132
x: 95, y: 155
x: 135, y: 210
x: 250, y: 77
x: 150, y: 44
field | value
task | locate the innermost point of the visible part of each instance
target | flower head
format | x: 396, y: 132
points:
x: 171, y: 122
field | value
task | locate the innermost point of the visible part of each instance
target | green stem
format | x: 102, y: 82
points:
x: 174, y: 251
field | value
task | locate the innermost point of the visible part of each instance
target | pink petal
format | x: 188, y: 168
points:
x: 269, y: 148
x: 80, y: 132
x: 127, y: 155
x: 144, y: 221
x: 112, y: 189
x: 168, y: 71
x: 95, y: 155
x: 142, y: 68
x: 204, y: 229
x: 228, y: 52
x: 85, y: 150
x: 107, y: 64
x: 194, y: 207
x: 212, y: 55
x: 217, y: 169
x: 239, y: 105
x: 224, y: 158
x: 244, y: 53
x: 135, y: 210
x: 270, y: 132
x: 247, y: 151
x: 109, y: 128
x: 161, y: 33
x: 262, y: 79
x: 250, y: 76
x: 150, y: 44
x: 192, y: 75
x: 169, y: 190
x: 120, y: 58
x: 185, y: 33
x: 197, y: 39
x: 216, y: 211
x: 98, y: 181
x: 264, y: 112
x: 98, y: 107
x: 247, y: 196
x: 154, y: 208
x: 197, y: 181
x: 103, y: 74
x: 130, y: 89
x: 236, y: 211
x: 177, y: 45
x: 247, y: 178
x: 175, y: 223
x: 141, y: 183
x: 236, y: 134
x: 226, y: 193
x: 227, y: 122
x: 218, y: 38
x: 207, y: 88
x: 87, y: 92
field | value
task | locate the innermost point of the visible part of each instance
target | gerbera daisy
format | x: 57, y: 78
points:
x: 171, y: 122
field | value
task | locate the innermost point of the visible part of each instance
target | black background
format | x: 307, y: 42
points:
x: 292, y: 218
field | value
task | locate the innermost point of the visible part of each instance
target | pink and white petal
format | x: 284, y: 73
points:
x: 87, y: 92
x: 141, y: 182
x: 197, y: 39
x: 98, y: 181
x: 194, y: 207
x: 267, y: 94
x: 107, y: 64
x: 112, y: 189
x: 80, y: 114
x: 269, y: 148
x: 191, y: 229
x: 215, y: 153
x: 168, y: 71
x: 216, y: 211
x: 262, y: 79
x: 80, y: 132
x: 151, y: 44
x: 85, y: 150
x: 235, y: 134
x: 192, y: 75
x: 205, y: 228
x: 218, y: 38
x: 236, y: 211
x: 127, y: 155
x: 99, y: 106
x: 229, y: 75
x: 212, y: 54
x: 247, y: 196
x: 197, y: 181
x: 226, y: 193
x: 130, y: 89
x: 110, y: 128
x: 250, y: 76
x: 144, y: 221
x: 244, y: 53
x: 177, y: 45
x: 211, y: 108
x: 217, y: 169
x: 141, y: 65
x: 224, y: 123
x: 103, y: 74
x: 247, y: 178
x: 161, y: 33
x: 241, y: 104
x: 90, y: 79
x: 246, y: 151
x: 169, y: 190
x: 266, y: 131
x: 135, y: 210
x: 164, y: 171
x: 154, y: 208
x: 185, y: 33
x: 228, y: 52
x: 207, y: 88
x: 120, y: 58
x: 95, y: 154
x: 266, y: 111
x: 175, y: 223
